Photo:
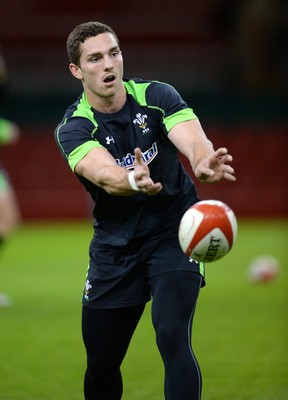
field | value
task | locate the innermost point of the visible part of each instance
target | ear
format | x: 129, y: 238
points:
x: 75, y: 71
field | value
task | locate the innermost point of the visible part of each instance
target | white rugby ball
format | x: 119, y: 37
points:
x: 208, y: 230
x: 263, y: 268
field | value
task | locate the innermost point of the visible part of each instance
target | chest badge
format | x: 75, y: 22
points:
x: 141, y: 121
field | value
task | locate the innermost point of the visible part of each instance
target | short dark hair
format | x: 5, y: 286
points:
x: 80, y: 34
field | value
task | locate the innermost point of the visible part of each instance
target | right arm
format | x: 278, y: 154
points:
x: 100, y: 168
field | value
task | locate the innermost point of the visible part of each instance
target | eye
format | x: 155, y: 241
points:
x: 115, y: 53
x: 95, y: 58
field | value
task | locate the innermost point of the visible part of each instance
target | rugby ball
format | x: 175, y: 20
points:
x: 207, y: 230
x: 263, y: 268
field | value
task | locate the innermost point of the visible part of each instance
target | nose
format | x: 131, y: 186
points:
x: 107, y: 62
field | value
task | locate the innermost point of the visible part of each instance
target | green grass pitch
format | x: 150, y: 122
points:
x: 240, y: 330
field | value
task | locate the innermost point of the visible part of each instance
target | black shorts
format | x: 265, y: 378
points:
x: 119, y: 277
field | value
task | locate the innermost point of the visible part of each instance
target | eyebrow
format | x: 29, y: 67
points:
x: 99, y: 53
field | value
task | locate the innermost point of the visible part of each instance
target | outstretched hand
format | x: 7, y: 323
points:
x: 214, y: 168
x: 142, y: 176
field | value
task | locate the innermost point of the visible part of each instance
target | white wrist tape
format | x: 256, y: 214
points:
x: 132, y: 181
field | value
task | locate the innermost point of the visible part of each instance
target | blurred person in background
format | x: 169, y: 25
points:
x: 9, y: 210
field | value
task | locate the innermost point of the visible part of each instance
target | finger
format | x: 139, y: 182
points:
x: 139, y: 175
x: 228, y: 173
x: 228, y: 169
x: 220, y: 152
x: 206, y: 176
x: 227, y: 158
x: 138, y: 155
x: 154, y: 189
x: 207, y: 172
x: 229, y: 177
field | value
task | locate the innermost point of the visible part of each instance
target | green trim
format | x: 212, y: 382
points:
x: 80, y: 152
x: 202, y: 268
x: 180, y: 116
x: 57, y: 136
x: 84, y: 110
x: 158, y: 108
x: 137, y: 90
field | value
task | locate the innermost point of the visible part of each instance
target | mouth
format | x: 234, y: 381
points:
x: 110, y: 78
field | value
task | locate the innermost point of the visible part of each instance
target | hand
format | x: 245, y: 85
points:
x: 142, y: 176
x: 214, y: 168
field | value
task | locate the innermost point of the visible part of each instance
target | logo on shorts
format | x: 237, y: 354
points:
x: 87, y: 288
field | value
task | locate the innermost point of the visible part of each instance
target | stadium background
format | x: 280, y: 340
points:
x: 228, y: 62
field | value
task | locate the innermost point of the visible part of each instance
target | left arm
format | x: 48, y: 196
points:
x: 208, y: 165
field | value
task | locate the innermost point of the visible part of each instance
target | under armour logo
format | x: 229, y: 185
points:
x: 109, y: 140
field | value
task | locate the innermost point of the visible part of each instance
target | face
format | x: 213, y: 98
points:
x: 101, y: 67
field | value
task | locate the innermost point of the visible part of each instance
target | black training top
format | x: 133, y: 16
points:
x: 152, y: 108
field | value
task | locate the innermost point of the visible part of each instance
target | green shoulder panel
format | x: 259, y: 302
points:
x: 181, y: 116
x: 137, y: 90
x: 80, y: 152
x: 84, y: 110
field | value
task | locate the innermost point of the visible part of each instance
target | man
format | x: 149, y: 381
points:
x: 121, y: 138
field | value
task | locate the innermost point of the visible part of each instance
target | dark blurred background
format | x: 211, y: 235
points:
x: 228, y: 59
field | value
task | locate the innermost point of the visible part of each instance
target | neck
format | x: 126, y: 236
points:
x: 109, y: 104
